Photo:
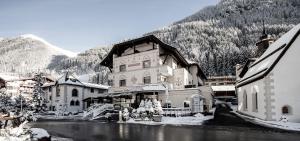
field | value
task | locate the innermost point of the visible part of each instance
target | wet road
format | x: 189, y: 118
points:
x: 97, y: 131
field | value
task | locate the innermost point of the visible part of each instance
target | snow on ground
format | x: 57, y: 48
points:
x: 15, y: 134
x: 198, y: 119
x: 54, y: 138
x: 55, y: 117
x: 290, y: 126
x: 39, y: 133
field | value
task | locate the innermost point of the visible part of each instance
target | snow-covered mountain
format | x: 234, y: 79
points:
x: 27, y: 53
x: 218, y: 37
x: 221, y: 36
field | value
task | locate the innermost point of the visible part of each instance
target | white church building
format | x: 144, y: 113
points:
x: 147, y: 68
x: 268, y: 88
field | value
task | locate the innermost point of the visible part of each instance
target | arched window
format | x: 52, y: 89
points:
x: 245, y: 101
x: 77, y: 103
x: 286, y: 109
x: 255, y: 102
x: 74, y: 93
x: 72, y: 103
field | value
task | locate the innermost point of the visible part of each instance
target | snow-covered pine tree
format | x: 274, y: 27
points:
x: 4, y: 98
x: 39, y: 100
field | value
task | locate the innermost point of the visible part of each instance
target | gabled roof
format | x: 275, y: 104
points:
x: 245, y: 67
x: 108, y: 60
x: 265, y: 63
x: 70, y: 79
x: 200, y: 72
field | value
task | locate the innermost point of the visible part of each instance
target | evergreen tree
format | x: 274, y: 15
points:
x: 39, y: 100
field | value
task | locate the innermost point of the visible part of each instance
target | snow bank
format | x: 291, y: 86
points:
x: 55, y: 117
x: 198, y: 119
x: 290, y: 126
x: 15, y: 134
x: 39, y: 133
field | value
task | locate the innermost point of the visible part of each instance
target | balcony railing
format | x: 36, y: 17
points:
x: 177, y: 112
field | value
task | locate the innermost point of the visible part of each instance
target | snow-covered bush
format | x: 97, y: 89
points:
x: 147, y: 110
x: 125, y: 114
x: 157, y: 107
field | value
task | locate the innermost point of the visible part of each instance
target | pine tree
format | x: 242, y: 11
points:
x: 39, y: 100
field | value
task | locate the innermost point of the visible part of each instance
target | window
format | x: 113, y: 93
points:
x: 147, y: 80
x: 101, y: 91
x: 50, y: 89
x: 77, y: 103
x: 111, y: 82
x: 122, y: 68
x: 50, y: 97
x: 147, y: 64
x: 186, y: 104
x: 255, y: 103
x: 74, y: 93
x: 57, y: 91
x: 122, y: 83
x: 245, y: 101
x: 286, y: 110
x: 92, y: 90
x: 72, y: 103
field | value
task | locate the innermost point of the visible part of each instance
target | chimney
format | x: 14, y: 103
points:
x: 264, y: 42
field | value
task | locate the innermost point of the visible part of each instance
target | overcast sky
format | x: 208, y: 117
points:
x: 78, y: 25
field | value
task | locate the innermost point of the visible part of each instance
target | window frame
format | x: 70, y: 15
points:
x: 92, y: 90
x: 245, y: 100
x: 122, y: 84
x: 286, y: 110
x: 144, y: 79
x: 144, y: 63
x: 72, y: 103
x: 255, y: 102
x: 122, y: 68
x: 73, y: 92
x: 77, y: 103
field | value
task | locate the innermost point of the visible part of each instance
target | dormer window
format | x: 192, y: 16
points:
x: 147, y: 64
x: 122, y: 68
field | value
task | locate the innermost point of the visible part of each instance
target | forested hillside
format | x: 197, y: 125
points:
x: 221, y: 36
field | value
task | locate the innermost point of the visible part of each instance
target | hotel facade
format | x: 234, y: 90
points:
x: 147, y: 68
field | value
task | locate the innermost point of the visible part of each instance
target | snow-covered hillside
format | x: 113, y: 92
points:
x: 84, y: 63
x: 28, y: 53
x: 221, y: 36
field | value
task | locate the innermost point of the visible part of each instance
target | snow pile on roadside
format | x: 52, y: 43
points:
x: 198, y: 119
x: 15, y: 134
x: 272, y: 124
x: 282, y: 125
x: 23, y: 133
x: 39, y: 133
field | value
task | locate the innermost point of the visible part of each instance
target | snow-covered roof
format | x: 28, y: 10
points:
x: 154, y: 88
x: 70, y: 79
x: 99, y: 86
x: 8, y: 77
x: 48, y: 84
x: 265, y: 63
x: 223, y: 88
x: 142, y: 88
